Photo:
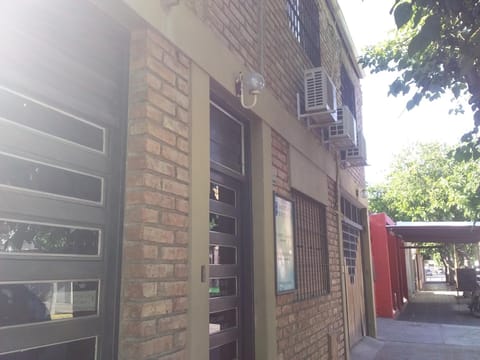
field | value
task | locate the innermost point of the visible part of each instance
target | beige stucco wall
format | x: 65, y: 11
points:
x: 197, y: 337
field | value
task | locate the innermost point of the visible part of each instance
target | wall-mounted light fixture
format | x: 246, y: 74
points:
x: 251, y: 83
x: 361, y: 193
x: 364, y: 193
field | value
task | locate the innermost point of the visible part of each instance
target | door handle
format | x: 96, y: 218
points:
x: 203, y: 273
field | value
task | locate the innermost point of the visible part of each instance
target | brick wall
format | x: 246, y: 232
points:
x: 303, y: 327
x: 280, y: 166
x: 155, y: 251
x: 154, y: 279
x: 237, y: 25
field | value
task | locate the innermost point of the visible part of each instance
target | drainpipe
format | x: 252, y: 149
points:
x: 342, y: 262
x: 368, y: 284
x: 261, y: 36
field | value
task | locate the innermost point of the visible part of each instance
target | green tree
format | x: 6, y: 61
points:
x: 427, y: 183
x: 436, y: 49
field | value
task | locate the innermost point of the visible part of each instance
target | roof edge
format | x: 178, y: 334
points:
x: 342, y: 27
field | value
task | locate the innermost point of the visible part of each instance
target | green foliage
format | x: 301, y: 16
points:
x: 429, y: 32
x: 15, y: 236
x: 403, y: 13
x: 427, y: 183
x: 435, y: 50
x: 469, y: 148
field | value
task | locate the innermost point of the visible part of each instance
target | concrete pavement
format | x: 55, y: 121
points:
x: 439, y: 304
x: 436, y: 325
x: 406, y: 340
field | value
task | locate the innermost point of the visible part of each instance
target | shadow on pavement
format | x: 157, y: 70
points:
x: 439, y: 303
x: 435, y: 325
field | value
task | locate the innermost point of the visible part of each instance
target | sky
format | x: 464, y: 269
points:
x: 388, y: 127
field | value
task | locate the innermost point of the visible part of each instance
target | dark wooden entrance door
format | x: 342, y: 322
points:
x: 63, y: 87
x: 230, y: 287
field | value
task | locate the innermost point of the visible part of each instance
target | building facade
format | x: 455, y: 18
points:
x: 391, y: 261
x: 149, y: 212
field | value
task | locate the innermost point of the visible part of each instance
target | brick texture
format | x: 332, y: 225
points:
x: 303, y: 326
x: 155, y: 260
x: 237, y: 26
x: 280, y: 165
x: 155, y: 251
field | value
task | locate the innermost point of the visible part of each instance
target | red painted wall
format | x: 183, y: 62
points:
x: 381, y: 266
x: 390, y: 275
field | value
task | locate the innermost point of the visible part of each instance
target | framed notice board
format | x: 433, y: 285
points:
x: 284, y: 245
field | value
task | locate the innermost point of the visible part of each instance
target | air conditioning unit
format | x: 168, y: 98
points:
x: 320, y: 98
x: 356, y: 155
x: 343, y: 133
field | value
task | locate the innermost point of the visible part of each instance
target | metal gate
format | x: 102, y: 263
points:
x: 225, y: 267
x: 63, y: 86
x: 230, y: 283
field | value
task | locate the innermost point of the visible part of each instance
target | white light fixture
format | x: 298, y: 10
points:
x: 362, y: 193
x: 251, y: 83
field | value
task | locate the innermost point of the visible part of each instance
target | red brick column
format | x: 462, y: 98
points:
x: 155, y: 250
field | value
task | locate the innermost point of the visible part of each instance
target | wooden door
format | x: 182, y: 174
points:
x: 354, y: 283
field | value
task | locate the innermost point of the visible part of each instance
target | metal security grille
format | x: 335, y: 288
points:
x: 311, y: 247
x: 350, y: 211
x: 304, y: 22
x: 230, y: 252
x: 350, y: 245
x: 348, y: 91
x: 351, y: 227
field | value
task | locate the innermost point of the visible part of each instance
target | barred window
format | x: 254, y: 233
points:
x: 311, y: 247
x: 304, y: 22
x: 351, y: 236
x: 350, y: 211
x: 348, y: 91
x: 351, y: 227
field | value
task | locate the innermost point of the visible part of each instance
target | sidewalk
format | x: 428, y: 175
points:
x: 438, y: 303
x: 406, y: 340
x: 435, y: 325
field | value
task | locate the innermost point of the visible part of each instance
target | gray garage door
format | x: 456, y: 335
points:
x: 63, y: 86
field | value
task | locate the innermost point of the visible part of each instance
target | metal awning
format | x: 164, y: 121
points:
x: 437, y: 232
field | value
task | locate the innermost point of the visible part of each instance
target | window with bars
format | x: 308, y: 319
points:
x: 350, y: 211
x: 304, y: 22
x: 348, y: 91
x: 311, y: 247
x: 350, y: 245
x: 351, y: 235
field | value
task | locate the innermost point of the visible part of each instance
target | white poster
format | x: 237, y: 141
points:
x: 284, y: 246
